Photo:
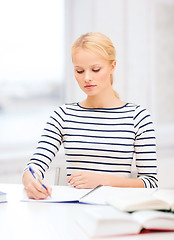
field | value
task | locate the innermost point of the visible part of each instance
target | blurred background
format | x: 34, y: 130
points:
x: 36, y: 73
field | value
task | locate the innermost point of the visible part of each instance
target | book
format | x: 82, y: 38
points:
x: 105, y: 221
x: 3, y: 197
x: 161, y: 199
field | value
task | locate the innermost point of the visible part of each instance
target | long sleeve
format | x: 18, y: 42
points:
x: 49, y: 143
x: 145, y: 148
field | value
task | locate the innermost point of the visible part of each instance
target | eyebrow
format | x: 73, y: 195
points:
x: 94, y: 65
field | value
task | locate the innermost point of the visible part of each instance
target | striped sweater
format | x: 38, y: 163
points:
x: 102, y: 140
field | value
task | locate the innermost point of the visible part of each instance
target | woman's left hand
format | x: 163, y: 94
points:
x: 85, y: 179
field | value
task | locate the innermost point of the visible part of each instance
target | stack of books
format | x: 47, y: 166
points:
x: 129, y: 213
x: 111, y: 211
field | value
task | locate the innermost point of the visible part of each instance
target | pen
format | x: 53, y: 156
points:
x: 36, y: 177
x: 91, y: 191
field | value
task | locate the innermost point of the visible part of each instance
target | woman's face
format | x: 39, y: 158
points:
x: 92, y: 72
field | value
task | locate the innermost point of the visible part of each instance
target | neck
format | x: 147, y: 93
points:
x: 102, y: 101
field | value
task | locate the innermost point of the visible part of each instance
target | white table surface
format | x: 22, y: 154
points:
x: 53, y: 221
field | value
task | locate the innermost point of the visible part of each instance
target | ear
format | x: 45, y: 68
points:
x: 113, y: 66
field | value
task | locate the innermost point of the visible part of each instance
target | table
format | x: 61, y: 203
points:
x: 53, y: 221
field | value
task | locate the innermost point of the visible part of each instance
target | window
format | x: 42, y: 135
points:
x: 31, y: 68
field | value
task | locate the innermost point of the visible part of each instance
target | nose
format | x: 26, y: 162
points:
x: 87, y: 76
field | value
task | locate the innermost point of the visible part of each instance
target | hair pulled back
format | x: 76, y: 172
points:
x: 98, y: 44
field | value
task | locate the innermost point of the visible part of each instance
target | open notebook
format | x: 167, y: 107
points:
x: 65, y: 194
x: 99, y: 195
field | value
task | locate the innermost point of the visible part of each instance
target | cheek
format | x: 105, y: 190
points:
x: 78, y: 78
x: 104, y: 77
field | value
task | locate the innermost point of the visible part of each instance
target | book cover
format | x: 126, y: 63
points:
x: 3, y: 197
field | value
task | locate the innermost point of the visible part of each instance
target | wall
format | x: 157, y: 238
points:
x: 143, y: 34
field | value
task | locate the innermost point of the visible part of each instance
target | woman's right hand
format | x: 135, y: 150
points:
x: 34, y: 188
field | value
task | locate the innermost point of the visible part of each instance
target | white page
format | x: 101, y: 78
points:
x: 166, y: 195
x: 155, y: 219
x: 106, y: 221
x: 105, y: 193
x: 61, y: 194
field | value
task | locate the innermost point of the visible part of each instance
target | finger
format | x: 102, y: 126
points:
x: 68, y: 178
x: 34, y: 195
x: 78, y: 182
x: 37, y: 194
x: 76, y: 174
x: 81, y: 186
x: 38, y: 185
x: 75, y: 180
x: 37, y: 191
x: 49, y: 189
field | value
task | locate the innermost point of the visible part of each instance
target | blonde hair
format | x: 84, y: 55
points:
x: 99, y: 44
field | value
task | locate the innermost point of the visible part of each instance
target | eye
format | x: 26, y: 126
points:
x: 96, y: 69
x: 79, y: 71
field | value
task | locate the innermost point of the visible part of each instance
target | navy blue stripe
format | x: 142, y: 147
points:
x: 138, y: 113
x: 101, y: 163
x: 54, y: 127
x: 141, y: 120
x: 145, y: 152
x: 146, y: 166
x: 98, y: 170
x: 59, y: 115
x: 98, y: 130
x: 79, y: 116
x: 137, y: 106
x: 150, y: 130
x: 113, y: 108
x: 144, y: 173
x: 52, y: 132
x: 146, y: 159
x: 88, y: 155
x: 46, y: 149
x: 61, y: 109
x: 50, y: 143
x: 91, y: 110
x: 151, y: 186
x: 103, y: 118
x: 43, y: 155
x: 145, y: 138
x: 145, y: 145
x: 144, y: 183
x: 145, y: 125
x: 33, y: 159
x: 50, y: 137
x: 105, y: 124
x: 95, y: 149
x: 56, y: 121
x: 103, y: 143
x: 153, y: 178
x: 41, y: 174
x: 79, y: 135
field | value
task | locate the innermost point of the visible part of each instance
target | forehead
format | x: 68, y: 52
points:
x: 85, y: 57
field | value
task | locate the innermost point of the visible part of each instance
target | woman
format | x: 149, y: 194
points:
x: 101, y: 134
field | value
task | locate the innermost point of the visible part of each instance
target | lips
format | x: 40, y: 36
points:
x: 90, y: 86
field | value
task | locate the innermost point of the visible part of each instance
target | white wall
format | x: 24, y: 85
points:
x: 137, y: 31
x: 143, y: 34
x: 128, y: 24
